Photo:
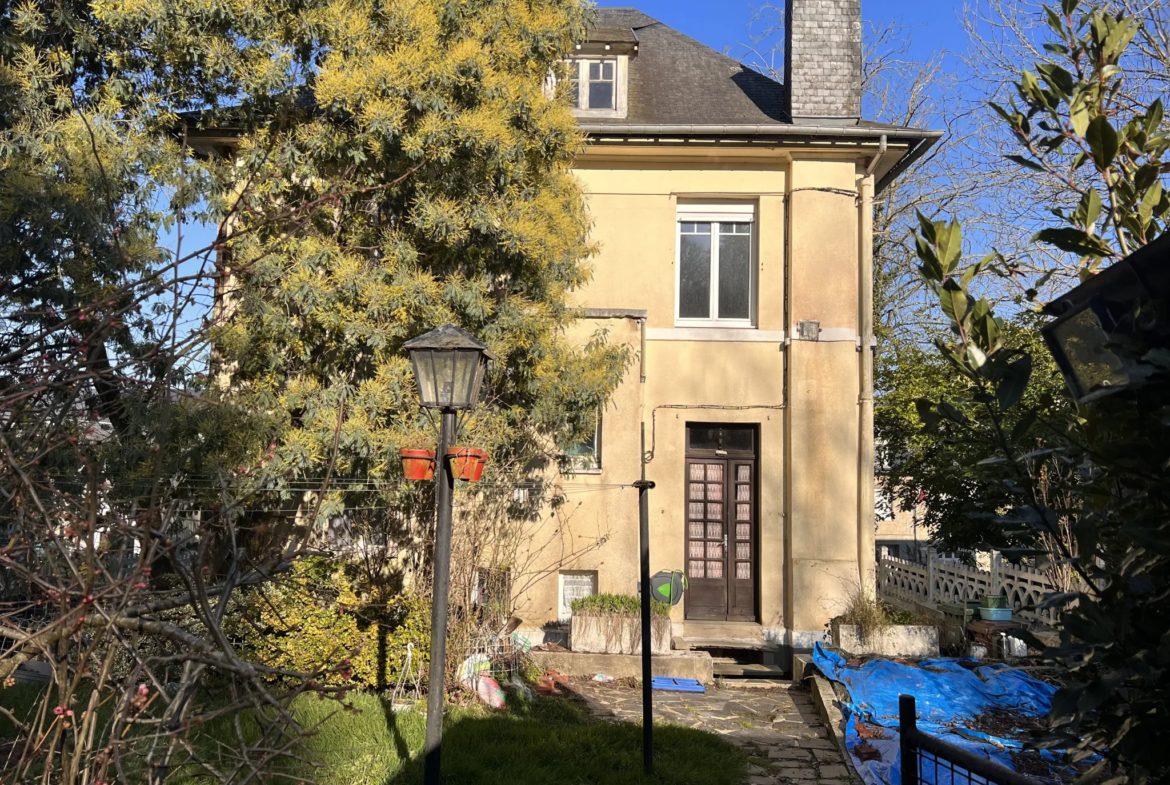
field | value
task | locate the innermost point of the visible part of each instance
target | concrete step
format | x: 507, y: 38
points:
x: 715, y: 635
x: 735, y: 670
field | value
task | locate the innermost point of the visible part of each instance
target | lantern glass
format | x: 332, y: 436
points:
x: 448, y: 378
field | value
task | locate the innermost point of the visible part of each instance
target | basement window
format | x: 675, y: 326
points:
x: 575, y: 585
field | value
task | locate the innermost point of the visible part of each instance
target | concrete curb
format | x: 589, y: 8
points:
x: 825, y: 700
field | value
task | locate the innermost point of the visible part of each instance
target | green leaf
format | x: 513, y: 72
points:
x: 1054, y: 21
x: 926, y: 412
x: 955, y: 302
x: 1021, y: 429
x: 928, y: 227
x: 931, y: 269
x: 1026, y: 163
x: 951, y: 413
x: 1057, y: 77
x: 1074, y: 241
x: 1015, y: 381
x: 1119, y: 38
x: 1103, y: 142
x: 950, y: 245
x: 1146, y: 176
x: 1079, y: 115
x: 1154, y: 117
x: 1149, y: 203
x: 1089, y: 211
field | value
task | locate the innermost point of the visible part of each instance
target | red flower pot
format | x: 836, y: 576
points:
x: 463, y: 461
x: 418, y: 464
x: 477, y: 475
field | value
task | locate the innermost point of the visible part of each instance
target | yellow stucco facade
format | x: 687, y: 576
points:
x: 805, y: 397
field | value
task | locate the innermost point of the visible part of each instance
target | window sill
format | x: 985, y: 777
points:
x: 605, y: 114
x: 707, y: 324
x: 715, y: 333
x: 585, y: 472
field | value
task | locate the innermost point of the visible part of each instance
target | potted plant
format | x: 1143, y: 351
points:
x: 418, y: 463
x: 612, y: 624
x: 464, y: 461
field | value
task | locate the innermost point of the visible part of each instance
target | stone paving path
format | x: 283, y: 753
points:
x: 777, y: 726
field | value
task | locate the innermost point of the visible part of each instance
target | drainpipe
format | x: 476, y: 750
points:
x: 865, y: 454
x: 877, y: 159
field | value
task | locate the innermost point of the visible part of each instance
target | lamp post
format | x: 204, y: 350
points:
x: 1103, y: 310
x: 448, y: 367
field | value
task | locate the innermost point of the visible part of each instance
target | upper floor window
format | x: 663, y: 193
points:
x: 598, y: 86
x: 585, y: 457
x: 716, y: 265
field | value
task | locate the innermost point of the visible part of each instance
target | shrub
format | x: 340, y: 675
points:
x: 316, y: 617
x: 617, y: 605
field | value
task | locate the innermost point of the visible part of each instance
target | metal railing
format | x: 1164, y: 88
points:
x: 927, y: 760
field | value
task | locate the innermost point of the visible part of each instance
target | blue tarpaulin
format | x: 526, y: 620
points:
x: 949, y: 697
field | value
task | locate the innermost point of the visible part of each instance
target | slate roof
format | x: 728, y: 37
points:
x: 677, y: 80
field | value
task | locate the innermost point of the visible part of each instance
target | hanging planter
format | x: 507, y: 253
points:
x: 418, y: 464
x: 477, y: 474
x: 464, y: 461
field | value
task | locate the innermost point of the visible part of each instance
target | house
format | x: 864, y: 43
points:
x: 733, y: 216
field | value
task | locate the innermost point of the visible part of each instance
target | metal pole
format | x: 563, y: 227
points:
x: 907, y: 728
x: 444, y: 488
x: 644, y: 487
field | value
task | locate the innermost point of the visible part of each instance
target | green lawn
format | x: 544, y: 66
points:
x: 541, y: 742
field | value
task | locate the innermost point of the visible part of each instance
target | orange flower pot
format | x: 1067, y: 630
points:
x: 463, y: 461
x: 477, y: 475
x: 418, y: 465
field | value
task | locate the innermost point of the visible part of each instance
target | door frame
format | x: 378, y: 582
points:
x: 729, y: 458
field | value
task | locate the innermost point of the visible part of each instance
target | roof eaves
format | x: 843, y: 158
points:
x: 766, y: 129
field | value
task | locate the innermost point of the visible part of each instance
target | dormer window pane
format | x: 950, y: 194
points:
x: 601, y: 95
x: 594, y: 84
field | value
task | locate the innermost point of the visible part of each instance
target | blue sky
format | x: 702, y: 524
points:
x: 721, y: 24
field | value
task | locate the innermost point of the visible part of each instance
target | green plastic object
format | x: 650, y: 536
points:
x: 668, y: 586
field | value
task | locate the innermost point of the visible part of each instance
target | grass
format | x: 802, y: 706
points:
x: 545, y: 740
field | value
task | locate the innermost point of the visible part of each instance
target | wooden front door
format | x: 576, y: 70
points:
x: 721, y: 523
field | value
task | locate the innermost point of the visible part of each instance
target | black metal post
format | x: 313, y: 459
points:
x: 907, y: 728
x: 644, y: 487
x: 444, y: 489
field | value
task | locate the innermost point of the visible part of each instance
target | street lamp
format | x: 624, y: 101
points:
x: 448, y: 367
x: 1102, y: 311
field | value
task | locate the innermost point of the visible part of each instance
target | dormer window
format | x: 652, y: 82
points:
x: 594, y: 84
x: 598, y: 85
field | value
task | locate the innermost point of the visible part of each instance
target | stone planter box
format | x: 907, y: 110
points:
x: 616, y: 634
x: 897, y: 640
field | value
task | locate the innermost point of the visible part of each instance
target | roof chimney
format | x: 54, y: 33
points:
x: 822, y: 68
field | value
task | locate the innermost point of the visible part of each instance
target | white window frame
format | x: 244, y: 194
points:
x: 620, y: 81
x: 596, y: 463
x: 564, y: 611
x: 715, y: 214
